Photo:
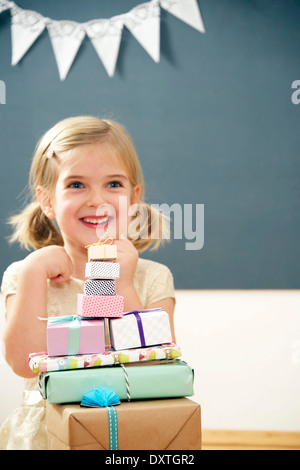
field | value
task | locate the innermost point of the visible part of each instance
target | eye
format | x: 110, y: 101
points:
x: 76, y: 185
x: 114, y: 184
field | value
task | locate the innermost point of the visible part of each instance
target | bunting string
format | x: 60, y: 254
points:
x: 66, y: 36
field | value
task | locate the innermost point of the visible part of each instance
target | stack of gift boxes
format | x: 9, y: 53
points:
x: 141, y: 362
x: 100, y: 298
x: 137, y: 338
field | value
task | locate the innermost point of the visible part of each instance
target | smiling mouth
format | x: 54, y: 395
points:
x: 95, y: 222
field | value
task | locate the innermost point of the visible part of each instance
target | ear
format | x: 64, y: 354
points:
x: 45, y: 202
x: 135, y: 196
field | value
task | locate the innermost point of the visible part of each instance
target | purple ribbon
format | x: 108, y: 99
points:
x: 140, y: 324
x: 141, y: 329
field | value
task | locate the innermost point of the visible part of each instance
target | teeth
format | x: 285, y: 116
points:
x: 91, y: 220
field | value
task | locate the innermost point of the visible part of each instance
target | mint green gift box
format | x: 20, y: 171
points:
x: 130, y: 382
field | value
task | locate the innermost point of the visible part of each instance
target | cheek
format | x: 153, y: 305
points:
x: 65, y: 206
x: 121, y: 203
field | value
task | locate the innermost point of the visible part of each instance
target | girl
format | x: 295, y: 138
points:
x: 83, y: 167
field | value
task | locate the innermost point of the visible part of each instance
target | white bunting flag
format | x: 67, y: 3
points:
x: 105, y: 36
x: 26, y: 27
x: 143, y: 22
x: 186, y: 10
x: 66, y: 38
x: 5, y: 5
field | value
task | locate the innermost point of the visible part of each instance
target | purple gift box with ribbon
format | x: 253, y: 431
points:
x: 70, y: 335
x: 140, y: 328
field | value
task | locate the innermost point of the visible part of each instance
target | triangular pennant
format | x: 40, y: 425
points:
x: 26, y: 27
x: 143, y: 22
x: 66, y: 38
x: 5, y: 5
x: 186, y: 10
x: 105, y: 36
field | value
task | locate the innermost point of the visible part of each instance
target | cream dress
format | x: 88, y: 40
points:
x: 25, y: 429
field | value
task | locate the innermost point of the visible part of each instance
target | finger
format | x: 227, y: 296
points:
x: 57, y: 279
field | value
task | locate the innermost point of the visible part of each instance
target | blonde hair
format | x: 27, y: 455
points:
x: 32, y: 228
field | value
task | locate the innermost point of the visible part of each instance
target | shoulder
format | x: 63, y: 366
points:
x: 10, y: 277
x: 154, y: 281
x: 13, y: 267
x: 151, y: 268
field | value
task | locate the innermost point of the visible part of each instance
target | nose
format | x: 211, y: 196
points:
x: 98, y: 201
x: 95, y: 198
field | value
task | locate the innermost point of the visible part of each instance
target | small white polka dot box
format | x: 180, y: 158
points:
x: 102, y: 270
x: 140, y: 328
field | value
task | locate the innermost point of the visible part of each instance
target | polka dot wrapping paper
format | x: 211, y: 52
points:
x: 100, y: 287
x: 100, y: 305
x: 102, y: 270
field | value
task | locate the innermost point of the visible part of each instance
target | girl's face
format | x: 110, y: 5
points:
x: 92, y: 195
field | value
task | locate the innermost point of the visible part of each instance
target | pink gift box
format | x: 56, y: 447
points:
x: 75, y: 336
x: 100, y: 305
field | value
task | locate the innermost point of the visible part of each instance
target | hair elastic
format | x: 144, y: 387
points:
x: 50, y: 151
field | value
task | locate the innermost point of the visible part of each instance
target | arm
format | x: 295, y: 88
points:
x: 127, y: 258
x: 24, y: 332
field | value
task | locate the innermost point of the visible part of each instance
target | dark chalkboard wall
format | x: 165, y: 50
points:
x: 213, y: 124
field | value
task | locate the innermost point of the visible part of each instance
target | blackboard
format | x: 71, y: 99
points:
x: 214, y: 125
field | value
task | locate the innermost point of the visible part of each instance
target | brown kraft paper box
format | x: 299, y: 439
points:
x: 168, y: 424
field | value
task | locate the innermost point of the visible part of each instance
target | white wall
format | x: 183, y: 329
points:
x: 245, y: 349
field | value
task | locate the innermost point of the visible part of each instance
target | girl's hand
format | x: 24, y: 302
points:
x: 127, y: 257
x: 24, y: 333
x: 52, y: 262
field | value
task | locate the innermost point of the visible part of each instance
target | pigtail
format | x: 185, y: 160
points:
x: 33, y: 229
x: 149, y: 228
